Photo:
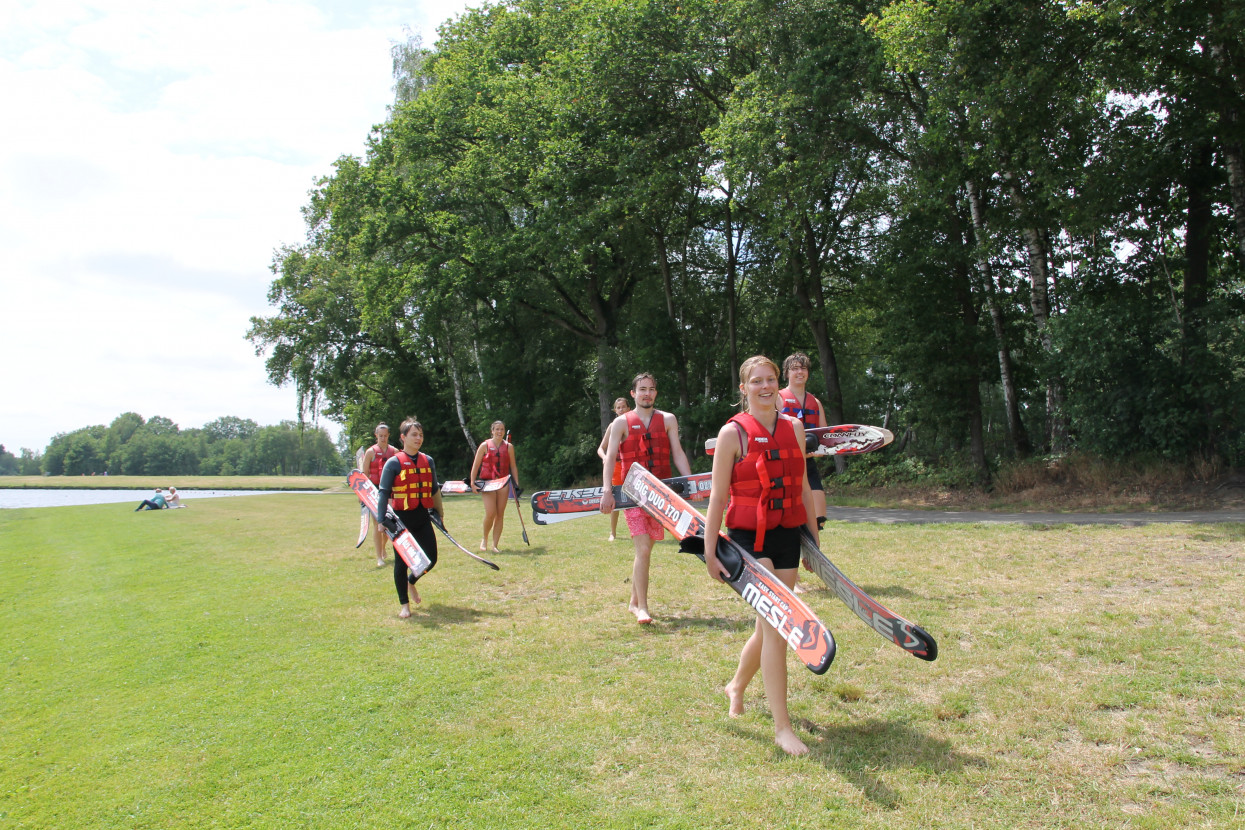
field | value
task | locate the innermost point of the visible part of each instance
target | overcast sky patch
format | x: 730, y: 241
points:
x: 153, y: 157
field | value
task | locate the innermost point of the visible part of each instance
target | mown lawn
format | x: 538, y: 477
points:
x: 240, y: 664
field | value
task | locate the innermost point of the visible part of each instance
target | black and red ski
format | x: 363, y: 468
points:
x: 842, y: 439
x: 551, y: 506
x: 770, y: 598
x: 403, y: 542
x: 437, y: 520
x: 364, y: 515
x: 459, y: 487
x: 907, y: 635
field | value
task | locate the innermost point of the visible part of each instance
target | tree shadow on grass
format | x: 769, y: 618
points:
x: 815, y: 587
x: 860, y: 750
x: 678, y: 623
x: 437, y: 616
x: 514, y: 551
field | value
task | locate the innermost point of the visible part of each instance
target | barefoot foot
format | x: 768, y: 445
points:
x: 641, y: 614
x: 405, y: 612
x: 789, y: 743
x: 735, y: 701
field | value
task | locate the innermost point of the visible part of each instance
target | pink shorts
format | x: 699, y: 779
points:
x: 642, y: 524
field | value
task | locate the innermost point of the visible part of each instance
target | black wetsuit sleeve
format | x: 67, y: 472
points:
x: 388, y: 473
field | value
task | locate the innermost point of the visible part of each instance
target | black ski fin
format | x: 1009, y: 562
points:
x: 692, y: 544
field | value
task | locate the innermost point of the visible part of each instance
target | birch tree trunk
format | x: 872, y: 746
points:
x: 457, y: 383
x: 1015, y: 427
x: 676, y: 329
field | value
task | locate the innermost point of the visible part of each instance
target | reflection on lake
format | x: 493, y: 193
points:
x: 74, y: 498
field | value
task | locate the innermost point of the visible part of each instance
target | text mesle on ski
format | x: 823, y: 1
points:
x: 776, y: 613
x: 897, y: 631
x: 574, y: 494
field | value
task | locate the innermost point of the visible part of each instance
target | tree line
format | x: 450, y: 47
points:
x: 1000, y: 228
x: 133, y: 446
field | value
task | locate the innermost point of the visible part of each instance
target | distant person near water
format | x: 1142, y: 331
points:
x: 156, y: 502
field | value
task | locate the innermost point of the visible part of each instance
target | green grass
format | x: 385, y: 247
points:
x: 240, y: 664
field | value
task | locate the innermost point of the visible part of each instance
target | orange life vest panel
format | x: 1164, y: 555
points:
x: 809, y: 413
x: 650, y: 446
x: 379, y: 458
x: 767, y: 483
x: 413, y: 486
x: 496, y: 461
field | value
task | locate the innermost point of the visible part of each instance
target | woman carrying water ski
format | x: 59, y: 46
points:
x: 373, y: 461
x: 759, y: 468
x: 494, y: 459
x: 408, y: 482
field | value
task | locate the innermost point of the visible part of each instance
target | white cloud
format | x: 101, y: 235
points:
x: 153, y: 155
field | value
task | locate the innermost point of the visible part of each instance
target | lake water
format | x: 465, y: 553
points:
x: 73, y: 498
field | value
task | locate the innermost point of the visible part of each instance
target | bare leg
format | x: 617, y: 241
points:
x: 774, y: 674
x: 490, y: 519
x: 639, y: 578
x: 378, y: 537
x: 749, y: 664
x: 500, y: 498
x: 613, y: 525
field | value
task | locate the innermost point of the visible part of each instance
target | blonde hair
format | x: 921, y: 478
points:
x: 745, y: 371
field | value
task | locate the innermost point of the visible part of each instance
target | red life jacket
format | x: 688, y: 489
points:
x: 413, y: 486
x: 767, y: 483
x: 793, y: 406
x: 378, y: 461
x: 650, y: 447
x: 496, y: 461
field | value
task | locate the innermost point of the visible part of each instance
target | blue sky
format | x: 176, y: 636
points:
x: 153, y: 156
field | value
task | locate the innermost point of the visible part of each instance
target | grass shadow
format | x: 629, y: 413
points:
x: 891, y: 591
x: 439, y: 616
x: 859, y: 751
x: 678, y: 624
x: 515, y: 551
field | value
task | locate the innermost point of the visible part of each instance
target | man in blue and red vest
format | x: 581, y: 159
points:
x: 650, y: 437
x: 373, y: 461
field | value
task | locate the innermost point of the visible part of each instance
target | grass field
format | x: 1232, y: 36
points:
x: 240, y: 664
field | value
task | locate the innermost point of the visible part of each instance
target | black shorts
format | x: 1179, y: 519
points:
x: 782, y: 545
x: 812, y: 474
